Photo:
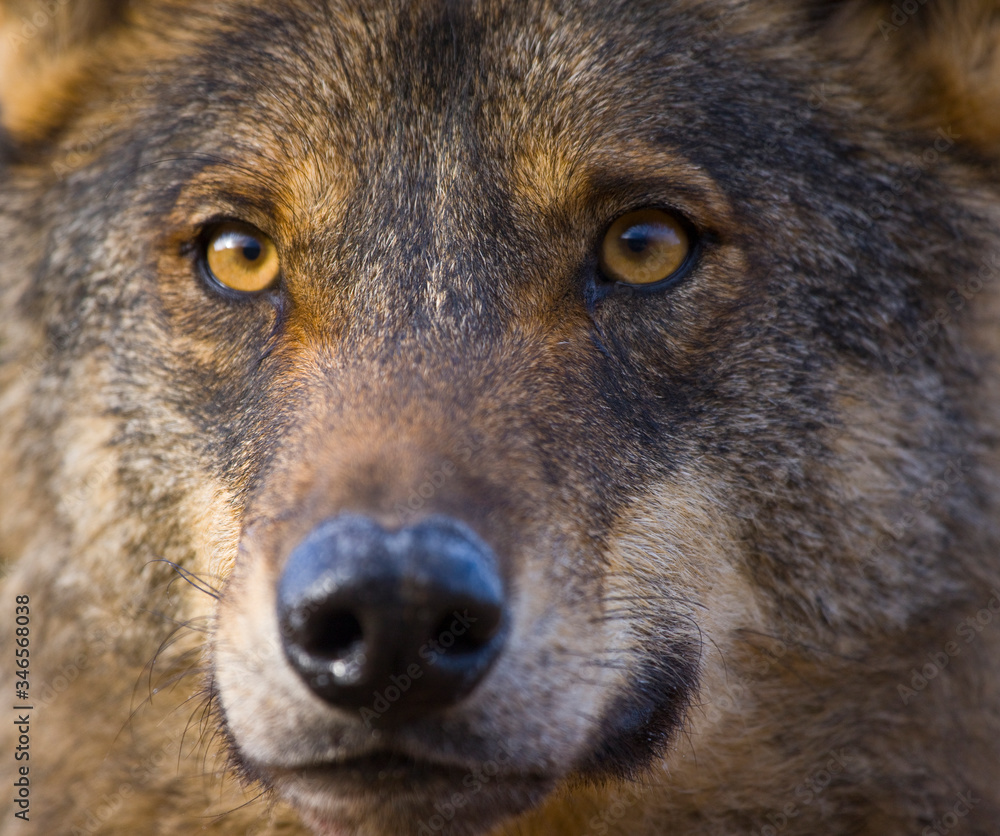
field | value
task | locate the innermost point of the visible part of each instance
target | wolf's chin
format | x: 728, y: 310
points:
x: 419, y: 806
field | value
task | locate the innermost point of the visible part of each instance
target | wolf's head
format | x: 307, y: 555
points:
x: 537, y: 380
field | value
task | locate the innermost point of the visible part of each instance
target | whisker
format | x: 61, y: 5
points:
x: 192, y: 578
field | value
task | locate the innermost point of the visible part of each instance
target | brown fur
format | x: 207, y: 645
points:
x: 736, y: 517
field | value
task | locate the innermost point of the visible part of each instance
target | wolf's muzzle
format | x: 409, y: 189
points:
x: 418, y: 614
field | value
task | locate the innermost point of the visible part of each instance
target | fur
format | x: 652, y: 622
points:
x: 747, y: 523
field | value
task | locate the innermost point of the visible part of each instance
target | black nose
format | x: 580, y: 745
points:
x: 394, y: 624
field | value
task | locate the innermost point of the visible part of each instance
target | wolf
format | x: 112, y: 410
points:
x: 500, y: 417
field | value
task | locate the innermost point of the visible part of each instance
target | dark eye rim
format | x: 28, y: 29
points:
x: 605, y: 285
x: 205, y: 234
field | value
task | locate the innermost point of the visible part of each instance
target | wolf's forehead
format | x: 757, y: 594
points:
x: 429, y: 101
x: 441, y: 75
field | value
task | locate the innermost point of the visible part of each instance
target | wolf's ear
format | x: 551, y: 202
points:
x: 937, y: 61
x: 43, y: 45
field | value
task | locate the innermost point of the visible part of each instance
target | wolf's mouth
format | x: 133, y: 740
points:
x: 387, y: 769
x: 404, y: 792
x: 397, y: 770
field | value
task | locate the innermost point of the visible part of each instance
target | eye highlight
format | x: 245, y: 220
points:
x: 241, y: 257
x: 644, y: 247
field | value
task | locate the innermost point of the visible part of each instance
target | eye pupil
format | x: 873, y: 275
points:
x: 252, y: 250
x: 637, y: 238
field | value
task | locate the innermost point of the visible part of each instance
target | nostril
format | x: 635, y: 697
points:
x: 329, y: 642
x: 466, y: 631
x: 332, y: 635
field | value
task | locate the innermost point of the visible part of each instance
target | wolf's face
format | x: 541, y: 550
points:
x: 521, y: 345
x: 541, y: 310
x: 480, y: 529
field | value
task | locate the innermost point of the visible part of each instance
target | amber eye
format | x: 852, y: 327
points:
x: 242, y: 258
x: 644, y: 247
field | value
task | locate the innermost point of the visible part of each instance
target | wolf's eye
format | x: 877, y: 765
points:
x: 644, y: 247
x: 242, y: 258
